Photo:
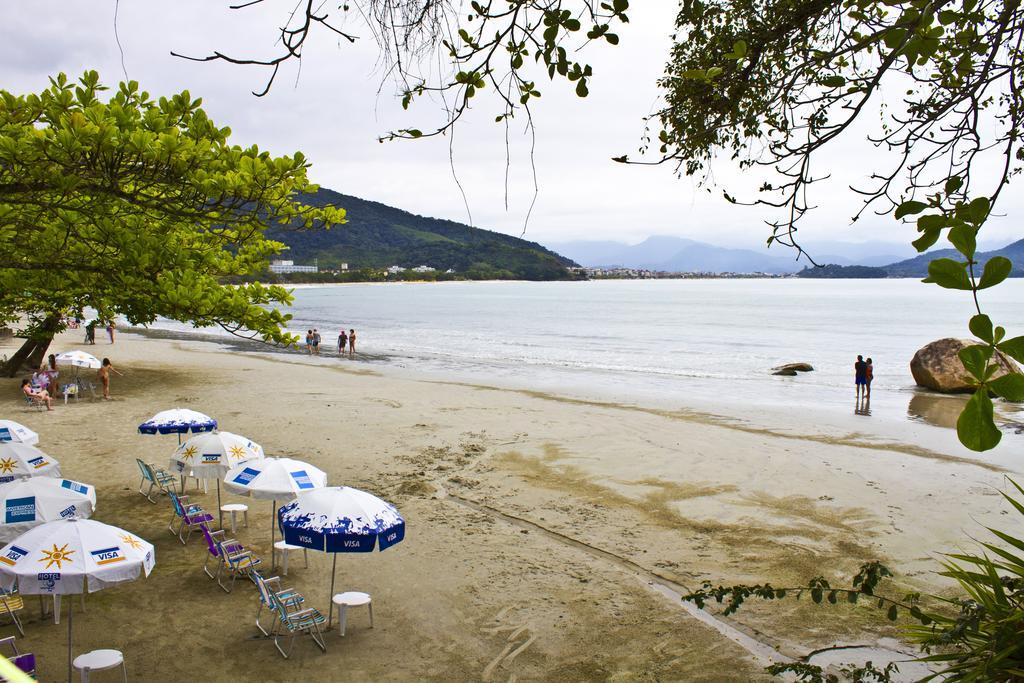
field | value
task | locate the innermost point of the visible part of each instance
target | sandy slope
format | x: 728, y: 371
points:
x: 534, y: 524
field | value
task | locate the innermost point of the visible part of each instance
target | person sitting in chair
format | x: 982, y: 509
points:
x: 41, y: 395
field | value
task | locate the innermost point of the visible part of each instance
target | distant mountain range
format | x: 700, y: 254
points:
x: 377, y: 236
x: 678, y: 254
x: 918, y: 266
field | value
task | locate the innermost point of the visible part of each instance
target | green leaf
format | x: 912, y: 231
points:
x: 414, y: 132
x: 581, y: 88
x: 910, y: 207
x: 975, y: 359
x: 963, y: 237
x: 932, y: 221
x: 978, y: 210
x: 997, y: 269
x: 1013, y: 347
x: 949, y: 274
x: 892, y: 613
x: 953, y: 184
x: 714, y: 72
x: 1010, y: 387
x: 612, y: 38
x: 981, y: 327
x: 926, y: 240
x: 976, y: 427
x: 834, y: 82
x: 739, y: 48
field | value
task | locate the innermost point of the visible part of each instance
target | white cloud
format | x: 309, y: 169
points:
x: 332, y: 111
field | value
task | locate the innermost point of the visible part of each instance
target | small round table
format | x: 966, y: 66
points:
x: 234, y: 509
x: 98, y: 660
x: 350, y: 599
x: 285, y: 548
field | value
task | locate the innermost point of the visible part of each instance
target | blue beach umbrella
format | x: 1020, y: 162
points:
x: 340, y: 520
x: 178, y: 421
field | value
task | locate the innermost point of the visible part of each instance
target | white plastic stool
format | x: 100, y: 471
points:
x: 98, y: 660
x: 284, y: 549
x: 350, y: 599
x: 234, y: 509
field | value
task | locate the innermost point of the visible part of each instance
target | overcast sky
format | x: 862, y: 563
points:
x: 334, y: 109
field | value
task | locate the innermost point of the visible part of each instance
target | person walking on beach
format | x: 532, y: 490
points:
x: 351, y: 342
x: 53, y: 373
x: 859, y: 375
x: 869, y: 374
x: 316, y: 341
x: 309, y: 342
x: 110, y: 330
x: 342, y: 343
x: 104, y: 372
x: 90, y: 332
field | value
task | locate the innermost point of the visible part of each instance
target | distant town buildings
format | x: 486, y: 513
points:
x: 279, y: 266
x: 644, y: 274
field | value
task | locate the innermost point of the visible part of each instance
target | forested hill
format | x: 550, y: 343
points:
x: 918, y: 266
x: 378, y: 236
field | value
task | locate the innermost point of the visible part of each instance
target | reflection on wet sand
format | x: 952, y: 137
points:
x: 941, y: 410
x: 862, y: 406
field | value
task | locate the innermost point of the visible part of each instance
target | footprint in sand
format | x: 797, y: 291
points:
x: 520, y: 637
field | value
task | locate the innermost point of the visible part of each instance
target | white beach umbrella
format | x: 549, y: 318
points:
x: 31, y: 502
x: 78, y: 359
x: 71, y: 556
x: 178, y: 421
x: 341, y: 519
x: 274, y: 479
x: 211, y: 455
x: 17, y: 432
x: 18, y: 460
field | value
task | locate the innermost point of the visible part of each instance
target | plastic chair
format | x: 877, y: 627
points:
x: 295, y: 622
x: 270, y: 594
x: 235, y: 561
x: 156, y: 477
x: 11, y: 602
x: 25, y: 661
x: 190, y: 514
x: 34, y: 402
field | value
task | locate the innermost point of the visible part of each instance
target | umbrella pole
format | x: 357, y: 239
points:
x: 330, y: 598
x: 70, y: 612
x: 273, y: 523
x: 220, y: 513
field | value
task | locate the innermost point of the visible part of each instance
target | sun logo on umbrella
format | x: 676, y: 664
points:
x: 189, y: 453
x: 7, y: 465
x: 132, y: 541
x: 56, y: 556
x: 237, y: 451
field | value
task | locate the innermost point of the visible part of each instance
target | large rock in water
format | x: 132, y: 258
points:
x: 790, y: 369
x: 937, y: 366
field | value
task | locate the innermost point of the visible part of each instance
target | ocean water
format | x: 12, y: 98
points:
x: 705, y: 344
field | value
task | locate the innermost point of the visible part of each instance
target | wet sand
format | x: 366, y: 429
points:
x: 546, y: 535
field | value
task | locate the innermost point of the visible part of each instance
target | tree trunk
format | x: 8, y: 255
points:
x: 33, y: 351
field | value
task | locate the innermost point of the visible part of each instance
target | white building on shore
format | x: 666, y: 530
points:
x: 279, y: 266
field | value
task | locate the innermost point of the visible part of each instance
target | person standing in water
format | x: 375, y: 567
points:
x: 104, y: 372
x: 342, y: 343
x: 351, y: 342
x: 316, y: 342
x: 110, y: 330
x: 869, y: 374
x: 859, y: 375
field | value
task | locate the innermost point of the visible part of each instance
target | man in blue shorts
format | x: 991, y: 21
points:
x: 860, y: 375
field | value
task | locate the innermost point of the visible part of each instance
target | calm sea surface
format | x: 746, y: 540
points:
x: 708, y: 344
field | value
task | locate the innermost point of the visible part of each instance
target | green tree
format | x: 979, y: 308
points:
x: 768, y: 84
x: 138, y: 207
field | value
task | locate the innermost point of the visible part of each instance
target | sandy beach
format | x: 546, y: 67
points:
x: 546, y: 535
